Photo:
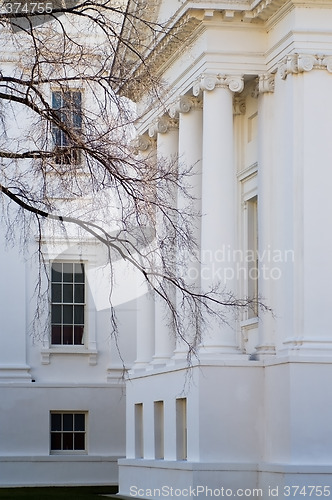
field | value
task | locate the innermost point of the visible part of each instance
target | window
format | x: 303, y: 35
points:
x: 67, y: 303
x: 68, y: 106
x: 68, y: 431
x: 181, y: 429
x: 159, y: 429
x: 139, y: 445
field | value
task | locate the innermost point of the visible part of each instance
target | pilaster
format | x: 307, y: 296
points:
x: 267, y: 206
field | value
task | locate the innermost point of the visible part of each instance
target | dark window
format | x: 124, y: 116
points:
x: 68, y: 431
x: 67, y: 303
x: 68, y: 107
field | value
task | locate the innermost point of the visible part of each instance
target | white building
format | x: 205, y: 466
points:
x: 61, y: 376
x: 248, y: 103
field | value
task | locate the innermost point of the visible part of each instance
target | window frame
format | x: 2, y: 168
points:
x: 63, y: 304
x: 73, y: 156
x: 62, y: 432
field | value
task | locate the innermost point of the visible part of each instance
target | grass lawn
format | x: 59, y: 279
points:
x: 57, y: 493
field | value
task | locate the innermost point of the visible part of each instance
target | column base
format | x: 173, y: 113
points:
x: 160, y: 361
x: 307, y: 347
x: 209, y: 351
x: 265, y: 350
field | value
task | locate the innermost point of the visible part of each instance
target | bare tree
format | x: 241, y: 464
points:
x: 66, y: 137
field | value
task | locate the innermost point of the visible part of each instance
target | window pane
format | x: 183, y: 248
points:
x: 79, y: 294
x: 79, y: 441
x: 77, y: 109
x: 56, y: 335
x: 68, y: 441
x: 67, y: 293
x: 79, y: 273
x: 78, y: 335
x: 55, y: 422
x: 67, y: 335
x: 56, y: 293
x: 56, y: 274
x: 79, y: 315
x: 57, y: 136
x: 67, y: 315
x: 56, y: 100
x: 68, y: 421
x: 56, y: 441
x: 79, y: 422
x: 56, y: 314
x: 68, y: 273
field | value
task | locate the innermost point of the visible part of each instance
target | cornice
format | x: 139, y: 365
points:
x: 189, y: 17
x: 183, y: 27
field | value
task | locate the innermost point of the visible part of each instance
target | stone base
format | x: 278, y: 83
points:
x: 156, y: 479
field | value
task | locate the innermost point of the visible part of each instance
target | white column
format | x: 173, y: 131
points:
x: 146, y: 147
x: 190, y: 113
x: 166, y: 130
x: 266, y: 207
x: 218, y: 204
x: 145, y: 331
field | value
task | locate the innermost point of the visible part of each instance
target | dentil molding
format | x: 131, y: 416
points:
x: 300, y: 63
x: 211, y: 81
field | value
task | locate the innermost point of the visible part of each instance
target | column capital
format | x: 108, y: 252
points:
x: 162, y: 125
x: 209, y: 81
x: 143, y: 142
x: 300, y: 63
x: 239, y: 105
x: 266, y: 83
x: 183, y: 104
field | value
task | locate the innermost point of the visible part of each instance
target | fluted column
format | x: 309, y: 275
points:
x: 218, y: 202
x: 165, y: 130
x: 190, y: 113
x: 146, y: 148
x: 266, y: 178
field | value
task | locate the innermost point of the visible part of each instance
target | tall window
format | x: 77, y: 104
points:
x: 68, y: 300
x: 181, y: 429
x: 159, y: 429
x: 68, y: 431
x: 68, y: 106
x: 139, y: 445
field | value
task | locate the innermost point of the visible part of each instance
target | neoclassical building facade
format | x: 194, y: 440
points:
x: 247, y: 105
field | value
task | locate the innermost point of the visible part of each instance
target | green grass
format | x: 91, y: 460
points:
x: 57, y: 493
